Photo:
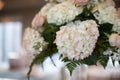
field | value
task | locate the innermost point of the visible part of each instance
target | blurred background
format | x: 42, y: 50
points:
x: 15, y: 16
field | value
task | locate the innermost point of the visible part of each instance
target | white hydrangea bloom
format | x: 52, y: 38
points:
x: 108, y: 14
x: 117, y: 26
x: 105, y: 15
x: 77, y: 40
x: 95, y: 3
x: 46, y: 8
x: 31, y: 38
x: 62, y: 13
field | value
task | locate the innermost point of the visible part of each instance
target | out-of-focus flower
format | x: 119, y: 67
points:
x: 1, y: 4
x: 44, y: 11
x: 38, y: 21
x: 77, y: 40
x: 81, y: 2
x: 63, y: 13
x: 32, y: 41
x: 110, y: 2
x: 114, y: 40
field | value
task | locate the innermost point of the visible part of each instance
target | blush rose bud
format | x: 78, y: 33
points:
x: 114, y: 40
x: 38, y: 21
x: 118, y: 12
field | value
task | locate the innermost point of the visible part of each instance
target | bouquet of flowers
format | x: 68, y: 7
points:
x: 81, y: 31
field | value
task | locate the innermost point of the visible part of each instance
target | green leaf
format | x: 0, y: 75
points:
x: 106, y: 28
x: 40, y: 58
x: 52, y: 61
x: 66, y: 59
x: 49, y: 32
x: 71, y: 66
x: 60, y: 57
x: 30, y: 70
x: 37, y: 45
x: 103, y: 60
x: 91, y: 60
x: 86, y: 15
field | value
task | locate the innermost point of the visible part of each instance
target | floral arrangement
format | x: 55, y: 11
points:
x: 81, y: 31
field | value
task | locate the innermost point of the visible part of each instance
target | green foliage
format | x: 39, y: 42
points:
x: 106, y: 28
x: 103, y: 60
x: 37, y: 60
x: 101, y: 45
x: 49, y: 32
x: 49, y: 35
x: 72, y: 64
x: 86, y: 15
x: 37, y: 45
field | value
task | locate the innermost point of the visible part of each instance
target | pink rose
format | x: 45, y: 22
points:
x: 81, y: 2
x: 38, y: 21
x: 118, y: 12
x: 114, y: 40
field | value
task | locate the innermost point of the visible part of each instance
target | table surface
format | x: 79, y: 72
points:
x: 19, y: 75
x: 14, y: 75
x: 94, y: 73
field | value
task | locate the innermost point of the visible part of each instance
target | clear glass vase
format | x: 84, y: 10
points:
x: 80, y: 73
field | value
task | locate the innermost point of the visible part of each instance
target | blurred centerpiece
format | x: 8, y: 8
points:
x: 81, y: 31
